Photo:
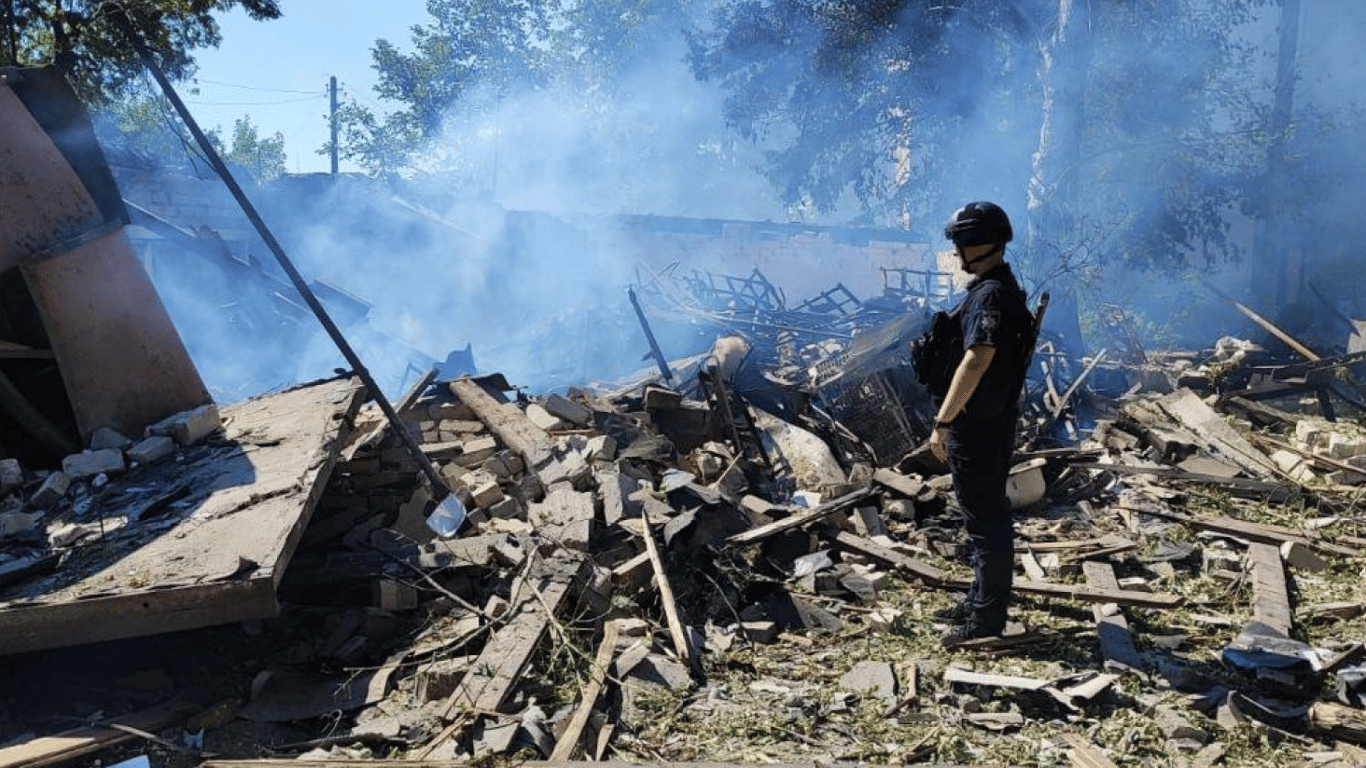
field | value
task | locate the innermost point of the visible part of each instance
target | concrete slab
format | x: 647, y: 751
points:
x: 207, y: 539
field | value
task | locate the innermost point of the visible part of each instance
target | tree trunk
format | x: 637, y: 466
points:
x: 1270, y: 261
x: 1053, y: 234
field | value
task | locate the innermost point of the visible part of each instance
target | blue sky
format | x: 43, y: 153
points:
x: 277, y: 71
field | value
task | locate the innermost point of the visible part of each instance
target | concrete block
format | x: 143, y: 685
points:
x: 150, y: 449
x: 438, y: 680
x: 52, y: 490
x: 1298, y: 556
x: 562, y: 407
x: 496, y: 465
x: 86, y: 464
x: 601, y: 448
x: 104, y: 437
x: 659, y: 397
x: 544, y: 419
x: 189, y: 427
x: 394, y: 595
x: 485, y: 490
x: 507, y: 509
x: 1341, y: 446
x: 476, y: 450
x: 1311, y: 434
x: 11, y: 476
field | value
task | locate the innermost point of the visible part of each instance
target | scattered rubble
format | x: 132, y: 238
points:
x: 739, y: 564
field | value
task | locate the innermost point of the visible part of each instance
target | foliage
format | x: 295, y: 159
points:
x: 263, y: 158
x: 146, y: 124
x: 875, y: 98
x: 1196, y: 126
x: 468, y: 42
x: 83, y: 40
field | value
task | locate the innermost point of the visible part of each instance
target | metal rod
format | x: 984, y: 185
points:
x: 439, y: 487
x: 650, y: 337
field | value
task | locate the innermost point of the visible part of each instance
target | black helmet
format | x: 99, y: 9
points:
x: 979, y: 223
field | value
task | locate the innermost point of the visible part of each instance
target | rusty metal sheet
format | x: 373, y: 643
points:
x: 123, y: 363
x: 42, y: 200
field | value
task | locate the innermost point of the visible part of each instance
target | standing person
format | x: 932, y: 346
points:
x: 975, y: 424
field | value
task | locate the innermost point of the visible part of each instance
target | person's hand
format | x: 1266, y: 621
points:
x: 939, y: 445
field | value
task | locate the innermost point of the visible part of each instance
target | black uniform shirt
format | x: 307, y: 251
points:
x: 994, y: 314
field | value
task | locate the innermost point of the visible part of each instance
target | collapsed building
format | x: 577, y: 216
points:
x: 260, y: 579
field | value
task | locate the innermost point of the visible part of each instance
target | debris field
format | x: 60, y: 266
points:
x: 731, y: 559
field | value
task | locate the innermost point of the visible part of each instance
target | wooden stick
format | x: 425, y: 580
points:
x: 573, y: 731
x: 666, y: 596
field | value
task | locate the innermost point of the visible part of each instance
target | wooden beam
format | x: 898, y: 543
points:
x: 1191, y: 412
x: 573, y: 732
x: 1083, y: 754
x: 1263, y: 532
x: 1270, y: 595
x: 890, y: 557
x: 801, y: 518
x: 1272, y: 490
x: 507, y: 422
x: 66, y: 746
x: 1116, y: 641
x: 1089, y: 594
x: 503, y: 661
x: 679, y: 632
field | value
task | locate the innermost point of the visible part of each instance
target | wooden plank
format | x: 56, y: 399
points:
x: 1089, y: 594
x: 569, y: 740
x: 1083, y: 754
x: 1272, y: 490
x: 68, y: 745
x: 1270, y: 595
x: 503, y: 661
x: 1116, y: 641
x: 969, y: 677
x: 1186, y: 407
x: 679, y: 633
x: 291, y: 763
x: 1263, y: 532
x: 801, y: 518
x: 213, y: 556
x: 507, y: 422
x: 422, y: 763
x: 909, y: 487
x: 890, y: 557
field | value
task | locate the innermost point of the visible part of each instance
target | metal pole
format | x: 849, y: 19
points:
x: 439, y: 487
x: 655, y: 351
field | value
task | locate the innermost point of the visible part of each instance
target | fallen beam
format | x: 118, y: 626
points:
x: 506, y: 421
x: 801, y: 518
x: 1116, y: 641
x: 573, y: 732
x: 66, y: 746
x: 504, y: 659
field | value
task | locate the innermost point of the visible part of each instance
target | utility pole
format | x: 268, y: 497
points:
x: 332, y: 91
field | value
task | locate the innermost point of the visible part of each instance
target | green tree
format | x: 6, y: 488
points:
x: 147, y: 124
x: 873, y: 100
x: 502, y: 44
x: 264, y: 158
x: 83, y: 40
x: 582, y: 51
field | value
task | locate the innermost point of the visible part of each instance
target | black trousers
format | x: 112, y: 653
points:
x: 979, y: 460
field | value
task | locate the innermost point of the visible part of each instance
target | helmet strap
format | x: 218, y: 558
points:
x: 1000, y: 248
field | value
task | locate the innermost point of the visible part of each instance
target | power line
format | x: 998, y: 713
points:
x: 255, y: 103
x: 250, y: 87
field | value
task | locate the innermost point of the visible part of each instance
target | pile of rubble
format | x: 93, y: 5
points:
x: 718, y: 564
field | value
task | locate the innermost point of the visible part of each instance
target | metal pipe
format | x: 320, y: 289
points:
x: 439, y: 487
